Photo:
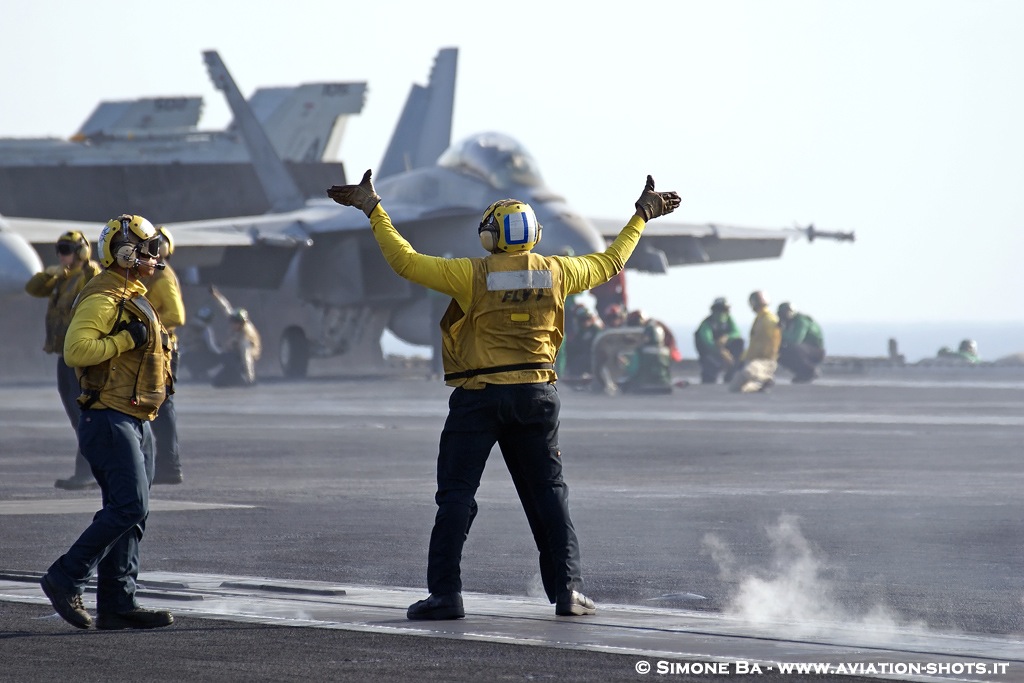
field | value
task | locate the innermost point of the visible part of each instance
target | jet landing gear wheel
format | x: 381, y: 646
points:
x: 294, y: 353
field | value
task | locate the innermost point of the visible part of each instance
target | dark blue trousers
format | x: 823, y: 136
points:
x: 165, y: 433
x: 119, y: 449
x: 523, y: 420
x: 67, y: 386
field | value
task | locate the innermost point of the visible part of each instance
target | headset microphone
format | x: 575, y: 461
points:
x: 159, y: 265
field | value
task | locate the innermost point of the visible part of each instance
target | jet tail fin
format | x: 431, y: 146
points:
x: 305, y: 122
x: 424, y: 129
x: 278, y: 185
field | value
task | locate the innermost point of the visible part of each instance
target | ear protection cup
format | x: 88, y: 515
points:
x: 489, y: 239
x: 166, y: 242
x: 125, y: 256
x: 122, y: 238
x: 488, y: 231
x: 82, y: 249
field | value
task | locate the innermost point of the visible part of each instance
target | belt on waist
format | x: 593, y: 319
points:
x: 465, y: 374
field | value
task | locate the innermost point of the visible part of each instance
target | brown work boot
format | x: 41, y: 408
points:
x: 68, y: 605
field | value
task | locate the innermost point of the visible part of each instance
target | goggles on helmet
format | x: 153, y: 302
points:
x: 150, y: 247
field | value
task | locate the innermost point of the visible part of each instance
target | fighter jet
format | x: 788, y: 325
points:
x: 18, y: 261
x: 150, y: 154
x: 309, y: 271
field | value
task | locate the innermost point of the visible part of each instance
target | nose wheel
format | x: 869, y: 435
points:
x: 293, y: 353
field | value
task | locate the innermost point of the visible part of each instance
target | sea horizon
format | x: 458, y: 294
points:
x: 915, y: 340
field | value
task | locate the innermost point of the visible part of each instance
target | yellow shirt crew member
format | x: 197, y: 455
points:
x: 120, y: 351
x: 112, y: 371
x: 500, y: 335
x: 510, y: 321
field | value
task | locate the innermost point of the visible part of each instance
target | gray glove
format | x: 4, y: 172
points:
x: 361, y: 196
x: 137, y: 330
x: 653, y: 204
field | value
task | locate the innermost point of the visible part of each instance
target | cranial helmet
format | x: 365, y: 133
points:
x: 124, y: 238
x: 785, y: 310
x: 166, y: 242
x: 969, y: 346
x: 205, y: 314
x: 74, y: 242
x: 509, y: 225
x: 719, y: 305
x: 654, y: 334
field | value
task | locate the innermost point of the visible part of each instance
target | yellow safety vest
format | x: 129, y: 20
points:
x: 62, y: 290
x: 513, y: 327
x: 136, y: 381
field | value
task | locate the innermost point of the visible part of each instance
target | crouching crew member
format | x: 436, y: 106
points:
x: 802, y: 348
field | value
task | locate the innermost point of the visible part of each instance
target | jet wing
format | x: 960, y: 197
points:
x: 666, y: 244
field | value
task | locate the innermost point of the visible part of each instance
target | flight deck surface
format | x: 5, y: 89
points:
x: 870, y: 524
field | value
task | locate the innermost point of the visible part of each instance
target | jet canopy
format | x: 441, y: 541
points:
x: 499, y: 159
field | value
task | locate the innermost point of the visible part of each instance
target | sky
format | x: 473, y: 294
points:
x: 897, y: 119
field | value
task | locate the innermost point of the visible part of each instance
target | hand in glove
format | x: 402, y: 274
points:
x: 361, y: 196
x: 137, y: 330
x: 653, y: 204
x: 56, y: 271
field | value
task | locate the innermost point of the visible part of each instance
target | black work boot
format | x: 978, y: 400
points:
x: 447, y: 606
x: 574, y: 604
x: 137, y: 617
x: 68, y: 605
x: 76, y: 483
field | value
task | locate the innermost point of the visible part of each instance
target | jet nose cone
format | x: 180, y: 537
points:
x: 18, y: 262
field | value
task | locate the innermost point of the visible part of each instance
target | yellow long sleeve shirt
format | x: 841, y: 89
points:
x: 476, y: 335
x: 88, y: 340
x: 454, y: 276
x: 164, y: 293
x: 765, y: 337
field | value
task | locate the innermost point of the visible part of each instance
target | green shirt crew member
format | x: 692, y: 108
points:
x: 802, y: 347
x: 649, y: 370
x: 500, y: 334
x: 719, y: 344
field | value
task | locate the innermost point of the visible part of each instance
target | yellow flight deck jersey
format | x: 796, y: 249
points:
x: 62, y: 290
x: 515, y: 302
x: 164, y: 292
x: 112, y: 373
x: 765, y: 337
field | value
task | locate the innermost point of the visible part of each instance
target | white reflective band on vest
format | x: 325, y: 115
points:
x: 518, y: 279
